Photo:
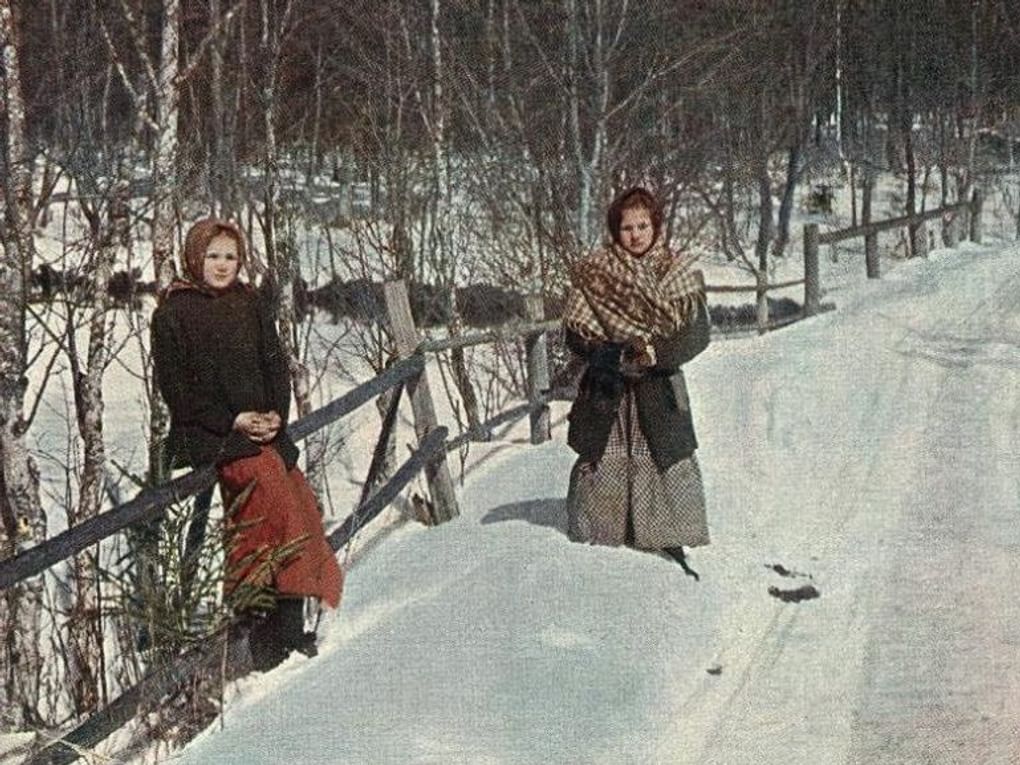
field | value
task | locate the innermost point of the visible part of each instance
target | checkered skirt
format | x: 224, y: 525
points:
x: 624, y: 499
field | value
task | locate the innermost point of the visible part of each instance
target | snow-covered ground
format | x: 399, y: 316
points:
x: 870, y: 452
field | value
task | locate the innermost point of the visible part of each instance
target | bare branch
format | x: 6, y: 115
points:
x: 219, y: 26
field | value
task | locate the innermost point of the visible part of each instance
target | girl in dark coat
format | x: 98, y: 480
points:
x: 636, y: 312
x: 221, y: 369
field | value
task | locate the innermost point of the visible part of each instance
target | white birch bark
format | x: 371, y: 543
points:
x: 21, y: 513
x: 164, y: 162
x: 164, y: 159
x: 84, y: 626
x: 282, y: 260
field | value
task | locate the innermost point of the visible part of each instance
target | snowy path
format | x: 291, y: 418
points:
x: 872, y: 451
x: 915, y: 538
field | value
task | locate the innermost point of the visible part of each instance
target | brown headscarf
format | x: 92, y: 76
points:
x: 196, y: 243
x: 618, y: 297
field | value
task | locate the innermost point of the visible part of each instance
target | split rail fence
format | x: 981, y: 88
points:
x: 408, y: 374
x: 957, y: 220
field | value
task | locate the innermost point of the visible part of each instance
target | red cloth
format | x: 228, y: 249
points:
x: 280, y: 510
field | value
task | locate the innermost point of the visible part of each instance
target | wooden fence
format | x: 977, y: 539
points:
x: 954, y: 219
x: 957, y: 219
x: 407, y: 373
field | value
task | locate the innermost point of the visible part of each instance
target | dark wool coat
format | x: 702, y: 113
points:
x: 665, y: 422
x: 218, y: 354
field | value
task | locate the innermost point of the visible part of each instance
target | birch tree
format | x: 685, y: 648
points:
x: 20, y: 508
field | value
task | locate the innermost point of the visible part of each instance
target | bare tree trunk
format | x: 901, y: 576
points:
x: 974, y: 103
x: 20, y: 508
x: 761, y: 247
x: 85, y: 645
x: 315, y: 150
x: 442, y: 228
x: 766, y: 224
x: 164, y: 159
x: 786, y: 204
x: 282, y: 257
x: 220, y: 149
x: 164, y: 167
x: 584, y: 179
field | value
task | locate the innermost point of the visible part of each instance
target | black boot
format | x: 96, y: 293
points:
x: 277, y: 633
x: 292, y: 621
x: 677, y: 554
x: 265, y: 641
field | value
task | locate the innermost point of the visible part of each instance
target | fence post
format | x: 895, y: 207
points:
x: 871, y: 262
x: 405, y: 335
x: 975, y: 216
x: 919, y: 239
x: 811, y: 285
x: 538, y: 369
x: 950, y: 221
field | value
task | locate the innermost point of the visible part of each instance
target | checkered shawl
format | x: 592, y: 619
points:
x: 617, y: 297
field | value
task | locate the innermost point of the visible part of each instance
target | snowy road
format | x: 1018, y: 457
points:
x: 871, y: 452
x: 913, y: 533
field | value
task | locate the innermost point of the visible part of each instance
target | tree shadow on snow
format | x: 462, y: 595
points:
x: 551, y: 513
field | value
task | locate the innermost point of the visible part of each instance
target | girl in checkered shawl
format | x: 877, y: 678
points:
x: 636, y: 312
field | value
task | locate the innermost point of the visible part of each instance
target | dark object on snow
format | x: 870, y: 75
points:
x: 274, y: 635
x: 677, y: 554
x: 820, y: 199
x: 782, y: 570
x: 715, y: 669
x: 729, y: 318
x: 806, y: 592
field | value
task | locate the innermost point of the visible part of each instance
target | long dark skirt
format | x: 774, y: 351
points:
x: 624, y: 499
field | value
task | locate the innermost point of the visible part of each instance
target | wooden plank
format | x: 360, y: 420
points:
x: 484, y: 430
x: 405, y: 336
x: 751, y: 288
x: 381, y: 444
x: 150, y: 503
x: 511, y: 332
x: 434, y: 444
x: 145, y: 507
x: 871, y: 262
x: 831, y: 237
x: 397, y: 373
x: 976, y: 206
x: 812, y: 287
x: 536, y: 351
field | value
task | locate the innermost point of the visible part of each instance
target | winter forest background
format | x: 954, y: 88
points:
x: 449, y: 143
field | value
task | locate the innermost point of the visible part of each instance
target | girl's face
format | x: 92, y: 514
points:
x: 636, y: 231
x: 219, y: 268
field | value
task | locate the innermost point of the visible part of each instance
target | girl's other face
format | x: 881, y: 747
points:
x: 636, y: 231
x: 221, y: 263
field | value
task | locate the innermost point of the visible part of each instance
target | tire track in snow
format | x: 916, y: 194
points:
x: 941, y: 676
x: 819, y: 650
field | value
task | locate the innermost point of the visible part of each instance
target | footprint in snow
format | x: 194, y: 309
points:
x: 782, y: 570
x: 796, y: 595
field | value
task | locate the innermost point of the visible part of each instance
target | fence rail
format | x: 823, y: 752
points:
x: 430, y: 455
x: 953, y: 219
x: 722, y: 288
x: 409, y: 373
x: 151, y: 502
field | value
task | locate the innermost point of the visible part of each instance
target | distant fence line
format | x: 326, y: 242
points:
x: 954, y: 217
